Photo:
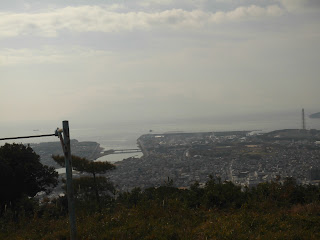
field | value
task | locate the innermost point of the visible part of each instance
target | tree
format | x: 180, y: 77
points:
x: 222, y: 195
x: 91, y: 167
x: 22, y: 174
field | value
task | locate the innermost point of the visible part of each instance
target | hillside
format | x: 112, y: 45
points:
x: 216, y: 211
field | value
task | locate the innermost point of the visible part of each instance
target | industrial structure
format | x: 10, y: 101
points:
x: 303, y: 120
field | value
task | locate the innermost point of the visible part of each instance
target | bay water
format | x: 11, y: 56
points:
x: 124, y: 135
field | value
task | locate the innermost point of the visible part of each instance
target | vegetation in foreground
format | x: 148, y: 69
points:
x: 219, y: 210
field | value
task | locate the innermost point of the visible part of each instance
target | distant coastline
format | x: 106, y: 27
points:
x: 315, y: 115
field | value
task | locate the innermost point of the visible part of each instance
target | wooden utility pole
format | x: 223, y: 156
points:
x: 65, y: 143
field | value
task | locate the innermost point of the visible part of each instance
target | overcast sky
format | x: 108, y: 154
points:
x: 104, y: 61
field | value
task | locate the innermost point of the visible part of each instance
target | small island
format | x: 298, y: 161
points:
x: 315, y: 115
x: 87, y: 149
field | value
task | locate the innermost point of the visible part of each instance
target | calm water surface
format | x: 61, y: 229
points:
x: 124, y: 135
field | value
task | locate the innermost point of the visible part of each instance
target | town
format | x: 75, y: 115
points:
x: 243, y: 157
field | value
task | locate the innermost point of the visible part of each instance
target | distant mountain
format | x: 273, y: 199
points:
x: 315, y: 115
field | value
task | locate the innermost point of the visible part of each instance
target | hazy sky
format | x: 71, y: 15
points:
x: 106, y: 61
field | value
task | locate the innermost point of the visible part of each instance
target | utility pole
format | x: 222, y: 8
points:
x: 65, y: 143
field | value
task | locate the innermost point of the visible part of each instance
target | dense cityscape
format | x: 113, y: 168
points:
x: 245, y: 158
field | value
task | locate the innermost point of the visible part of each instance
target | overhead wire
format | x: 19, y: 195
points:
x: 34, y: 136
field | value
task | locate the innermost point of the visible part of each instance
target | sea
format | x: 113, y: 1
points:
x: 124, y: 135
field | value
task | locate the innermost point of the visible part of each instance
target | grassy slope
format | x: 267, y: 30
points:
x: 176, y: 222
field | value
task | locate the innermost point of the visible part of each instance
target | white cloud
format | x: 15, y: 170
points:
x: 230, y: 66
x: 99, y: 19
x: 172, y: 3
x: 244, y: 13
x: 149, y: 3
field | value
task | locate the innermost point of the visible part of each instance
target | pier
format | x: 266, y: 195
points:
x: 119, y: 151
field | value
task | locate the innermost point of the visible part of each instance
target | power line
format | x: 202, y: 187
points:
x: 65, y: 142
x: 35, y: 136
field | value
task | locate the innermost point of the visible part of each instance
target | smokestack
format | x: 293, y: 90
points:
x: 303, y: 120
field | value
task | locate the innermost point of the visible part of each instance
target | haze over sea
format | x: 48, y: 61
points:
x: 124, y: 134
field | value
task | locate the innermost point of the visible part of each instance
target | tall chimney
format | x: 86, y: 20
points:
x: 303, y: 120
